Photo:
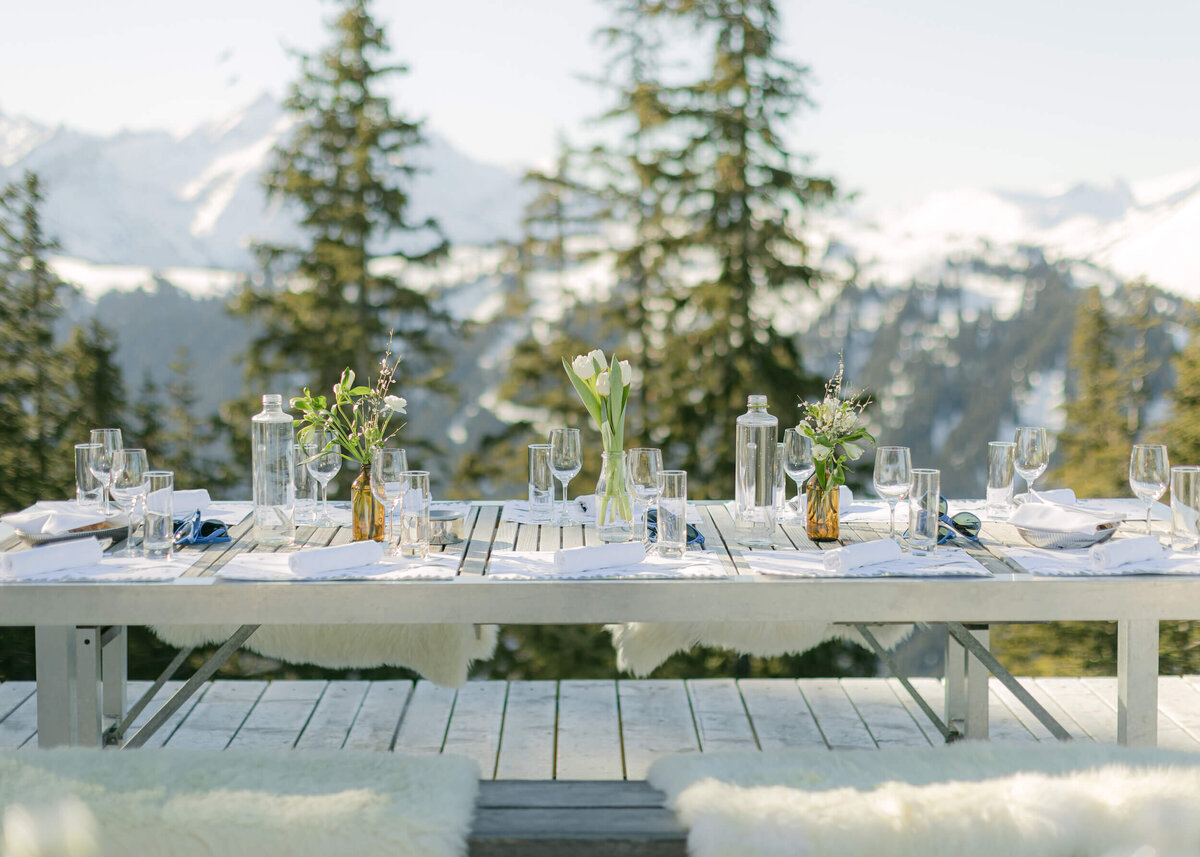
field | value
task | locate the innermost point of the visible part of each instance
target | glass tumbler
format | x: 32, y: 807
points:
x: 87, y: 486
x: 923, y: 510
x: 672, y: 514
x: 414, y: 513
x: 1000, y: 478
x: 541, y: 483
x: 159, y: 538
x: 1185, y: 508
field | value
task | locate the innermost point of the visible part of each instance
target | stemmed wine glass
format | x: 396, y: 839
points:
x: 324, y: 462
x: 100, y: 462
x: 893, y: 479
x: 129, y: 487
x: 387, y: 466
x: 645, y: 468
x: 1031, y: 455
x: 1149, y: 474
x: 798, y: 462
x: 566, y: 460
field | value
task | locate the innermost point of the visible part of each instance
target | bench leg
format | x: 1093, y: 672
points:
x: 956, y: 685
x: 1137, y: 682
x: 977, y: 687
x: 87, y: 687
x: 54, y: 647
x: 113, y: 671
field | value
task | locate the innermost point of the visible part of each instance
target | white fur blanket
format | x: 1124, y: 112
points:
x: 977, y: 799
x: 643, y: 646
x: 441, y: 653
x: 93, y: 803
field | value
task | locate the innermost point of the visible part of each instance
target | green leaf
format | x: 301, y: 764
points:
x: 585, y: 395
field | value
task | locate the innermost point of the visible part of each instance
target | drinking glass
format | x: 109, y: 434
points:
x: 1000, y: 478
x: 645, y: 468
x: 924, y: 509
x: 101, y: 462
x: 672, y: 514
x: 306, y: 488
x: 324, y: 460
x: 87, y: 486
x: 387, y: 466
x: 1185, y: 508
x: 414, y: 513
x: 893, y: 478
x: 541, y: 483
x: 1149, y: 474
x: 566, y: 460
x: 159, y: 538
x: 128, y: 477
x: 1031, y: 455
x: 798, y: 463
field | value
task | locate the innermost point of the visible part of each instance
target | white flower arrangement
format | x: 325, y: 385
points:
x: 834, y: 425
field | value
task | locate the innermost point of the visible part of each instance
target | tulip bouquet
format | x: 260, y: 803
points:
x: 604, y: 390
x: 835, y: 426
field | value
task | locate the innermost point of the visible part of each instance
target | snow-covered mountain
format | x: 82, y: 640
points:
x: 149, y: 198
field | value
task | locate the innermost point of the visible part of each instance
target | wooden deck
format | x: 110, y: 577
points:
x: 609, y: 730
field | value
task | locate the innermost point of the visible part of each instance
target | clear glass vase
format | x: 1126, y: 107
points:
x: 614, y: 501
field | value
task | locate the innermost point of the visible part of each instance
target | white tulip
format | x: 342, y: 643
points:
x: 853, y: 451
x: 626, y: 372
x: 583, y: 367
x: 395, y: 404
x: 598, y: 356
x: 603, y: 384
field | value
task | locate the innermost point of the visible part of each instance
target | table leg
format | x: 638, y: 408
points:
x: 87, y: 687
x: 977, y: 687
x: 54, y: 647
x: 956, y: 685
x: 113, y: 671
x: 1137, y: 682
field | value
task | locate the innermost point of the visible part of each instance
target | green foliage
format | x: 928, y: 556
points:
x: 1181, y: 432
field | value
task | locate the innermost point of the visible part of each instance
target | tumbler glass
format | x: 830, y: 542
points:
x: 541, y: 483
x: 414, y: 513
x: 87, y: 486
x: 672, y: 514
x: 306, y: 488
x: 159, y: 538
x: 1000, y: 478
x: 1185, y: 508
x: 923, y: 506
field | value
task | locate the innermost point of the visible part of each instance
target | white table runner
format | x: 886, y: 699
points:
x: 116, y: 569
x: 945, y: 562
x: 539, y: 565
x: 1077, y: 563
x: 274, y: 566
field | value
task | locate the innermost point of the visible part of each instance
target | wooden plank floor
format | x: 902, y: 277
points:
x: 609, y: 730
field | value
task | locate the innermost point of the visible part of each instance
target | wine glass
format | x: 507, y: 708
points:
x: 893, y: 478
x: 1031, y: 455
x: 798, y: 461
x: 645, y: 468
x: 566, y: 459
x: 387, y: 465
x: 324, y: 462
x: 1149, y: 474
x: 129, y: 486
x: 100, y: 462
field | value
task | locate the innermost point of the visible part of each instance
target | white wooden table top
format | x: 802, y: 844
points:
x: 1009, y: 595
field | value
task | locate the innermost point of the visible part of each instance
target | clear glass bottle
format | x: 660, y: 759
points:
x: 754, y: 489
x: 274, y: 489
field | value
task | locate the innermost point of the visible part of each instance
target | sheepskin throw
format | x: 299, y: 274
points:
x: 441, y: 653
x: 978, y: 799
x: 643, y: 646
x: 172, y: 803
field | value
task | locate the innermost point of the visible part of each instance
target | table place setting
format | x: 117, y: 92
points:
x: 581, y: 511
x: 1114, y: 558
x: 618, y: 561
x: 363, y: 560
x: 83, y: 561
x: 880, y: 558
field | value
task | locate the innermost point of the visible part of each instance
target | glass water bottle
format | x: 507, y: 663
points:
x: 754, y: 489
x: 274, y: 491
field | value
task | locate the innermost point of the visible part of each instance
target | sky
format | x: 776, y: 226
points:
x: 912, y: 97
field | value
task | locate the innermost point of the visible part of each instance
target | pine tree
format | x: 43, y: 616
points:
x: 1181, y: 432
x: 94, y: 379
x: 346, y: 167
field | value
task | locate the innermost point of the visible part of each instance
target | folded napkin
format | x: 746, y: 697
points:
x: 1059, y: 519
x: 854, y: 556
x: 276, y: 566
x: 191, y: 501
x: 315, y: 561
x: 1114, y: 554
x: 600, y: 556
x: 51, y: 517
x: 1062, y: 496
x: 945, y: 562
x: 49, y: 558
x: 540, y: 565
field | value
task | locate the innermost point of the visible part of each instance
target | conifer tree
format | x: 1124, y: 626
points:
x: 346, y: 167
x: 1181, y: 431
x: 97, y: 388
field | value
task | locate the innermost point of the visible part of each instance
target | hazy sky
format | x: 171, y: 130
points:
x: 913, y: 95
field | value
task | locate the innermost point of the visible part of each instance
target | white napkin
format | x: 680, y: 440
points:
x: 191, y: 501
x: 1113, y: 554
x: 539, y: 565
x: 1059, y: 519
x: 850, y: 557
x: 39, y: 560
x: 315, y: 561
x: 51, y: 517
x: 573, y: 560
x: 1062, y: 496
x: 275, y: 566
x: 944, y: 562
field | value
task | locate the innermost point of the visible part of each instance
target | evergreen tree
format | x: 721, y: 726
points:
x: 345, y: 167
x: 94, y: 379
x: 1181, y: 432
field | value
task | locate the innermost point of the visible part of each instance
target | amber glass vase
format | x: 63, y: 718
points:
x: 821, y: 512
x: 366, y: 513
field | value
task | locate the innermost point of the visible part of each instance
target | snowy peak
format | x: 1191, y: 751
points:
x: 19, y: 137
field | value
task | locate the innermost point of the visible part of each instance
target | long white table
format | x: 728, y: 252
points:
x: 80, y: 625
